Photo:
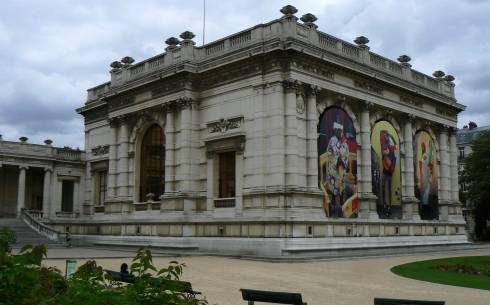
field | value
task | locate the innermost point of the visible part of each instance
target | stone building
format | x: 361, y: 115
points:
x: 464, y: 138
x: 42, y: 178
x: 277, y: 140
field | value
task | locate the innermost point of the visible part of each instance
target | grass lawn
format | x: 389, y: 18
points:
x: 467, y: 271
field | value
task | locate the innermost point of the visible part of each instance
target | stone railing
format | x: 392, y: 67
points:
x: 224, y: 203
x: 278, y: 29
x: 69, y: 154
x: 41, y: 151
x: 32, y: 219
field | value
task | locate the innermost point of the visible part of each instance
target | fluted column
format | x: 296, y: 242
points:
x: 47, y: 192
x: 123, y: 166
x: 444, y: 172
x: 311, y: 137
x: 169, y: 151
x: 368, y: 199
x: 409, y: 201
x: 21, y: 190
x: 112, y: 175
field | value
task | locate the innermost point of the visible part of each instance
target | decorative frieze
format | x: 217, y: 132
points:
x: 367, y: 86
x: 100, y: 150
x: 224, y: 125
x: 411, y: 100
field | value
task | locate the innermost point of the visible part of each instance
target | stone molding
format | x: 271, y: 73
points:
x: 224, y: 125
x: 100, y: 150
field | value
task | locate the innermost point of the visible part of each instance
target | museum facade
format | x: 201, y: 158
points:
x: 278, y: 140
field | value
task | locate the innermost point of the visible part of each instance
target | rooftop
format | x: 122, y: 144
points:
x: 287, y: 32
x: 467, y: 135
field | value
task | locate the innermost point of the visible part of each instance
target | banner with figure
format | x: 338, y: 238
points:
x: 337, y: 150
x: 426, y: 187
x: 386, y: 169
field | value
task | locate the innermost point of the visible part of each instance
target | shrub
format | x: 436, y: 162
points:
x: 23, y: 280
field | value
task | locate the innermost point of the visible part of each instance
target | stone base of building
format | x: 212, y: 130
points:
x: 271, y: 239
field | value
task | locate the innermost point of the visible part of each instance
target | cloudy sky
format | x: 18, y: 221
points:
x: 53, y: 50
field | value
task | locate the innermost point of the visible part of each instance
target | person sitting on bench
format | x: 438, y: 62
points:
x: 124, y: 269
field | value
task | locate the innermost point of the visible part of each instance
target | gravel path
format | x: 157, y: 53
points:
x: 337, y: 282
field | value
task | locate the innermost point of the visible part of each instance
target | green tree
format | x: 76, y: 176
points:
x: 476, y: 176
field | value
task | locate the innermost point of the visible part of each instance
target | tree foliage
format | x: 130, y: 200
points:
x: 476, y: 176
x: 23, y: 280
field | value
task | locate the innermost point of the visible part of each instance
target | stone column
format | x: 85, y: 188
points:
x: 184, y: 173
x: 409, y: 201
x: 169, y: 151
x: 311, y: 138
x: 21, y: 191
x: 368, y: 199
x: 291, y: 139
x: 455, y: 208
x: 123, y: 166
x: 239, y: 182
x: 46, y: 192
x: 444, y: 188
x: 112, y: 175
x: 210, y: 175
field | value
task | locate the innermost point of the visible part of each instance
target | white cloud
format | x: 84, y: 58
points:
x: 53, y: 50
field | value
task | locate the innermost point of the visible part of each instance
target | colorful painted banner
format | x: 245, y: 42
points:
x: 337, y: 149
x: 386, y: 169
x: 426, y: 187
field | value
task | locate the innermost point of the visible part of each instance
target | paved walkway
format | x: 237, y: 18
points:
x: 335, y: 282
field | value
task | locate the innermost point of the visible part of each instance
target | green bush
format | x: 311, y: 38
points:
x: 24, y: 281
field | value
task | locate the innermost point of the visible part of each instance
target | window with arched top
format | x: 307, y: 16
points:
x: 152, y: 166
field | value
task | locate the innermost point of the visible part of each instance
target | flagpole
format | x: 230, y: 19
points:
x: 204, y: 22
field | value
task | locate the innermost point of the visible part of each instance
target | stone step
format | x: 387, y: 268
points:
x: 25, y: 235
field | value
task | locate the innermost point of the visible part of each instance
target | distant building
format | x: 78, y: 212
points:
x: 277, y: 140
x: 464, y: 138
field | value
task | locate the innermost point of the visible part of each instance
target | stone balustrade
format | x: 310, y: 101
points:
x: 41, y: 151
x: 280, y: 29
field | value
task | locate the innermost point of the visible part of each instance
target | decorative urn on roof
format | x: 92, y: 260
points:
x: 404, y: 60
x: 172, y: 43
x: 309, y: 20
x: 187, y: 37
x: 362, y: 41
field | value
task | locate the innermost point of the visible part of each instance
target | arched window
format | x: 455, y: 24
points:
x: 152, y: 166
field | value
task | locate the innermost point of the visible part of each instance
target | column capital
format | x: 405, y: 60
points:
x: 48, y: 169
x: 23, y: 167
x: 314, y: 89
x: 409, y: 117
x: 113, y: 122
x: 291, y: 84
x: 184, y: 102
x: 367, y: 105
x: 123, y: 119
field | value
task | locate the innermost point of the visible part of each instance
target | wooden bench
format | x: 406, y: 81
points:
x: 185, y: 287
x: 381, y: 301
x: 271, y: 297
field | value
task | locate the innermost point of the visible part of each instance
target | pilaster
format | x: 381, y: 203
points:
x: 112, y: 173
x: 311, y: 138
x: 123, y: 166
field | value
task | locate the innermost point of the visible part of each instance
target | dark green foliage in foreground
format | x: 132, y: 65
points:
x: 23, y: 281
x: 467, y: 271
x: 476, y: 176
